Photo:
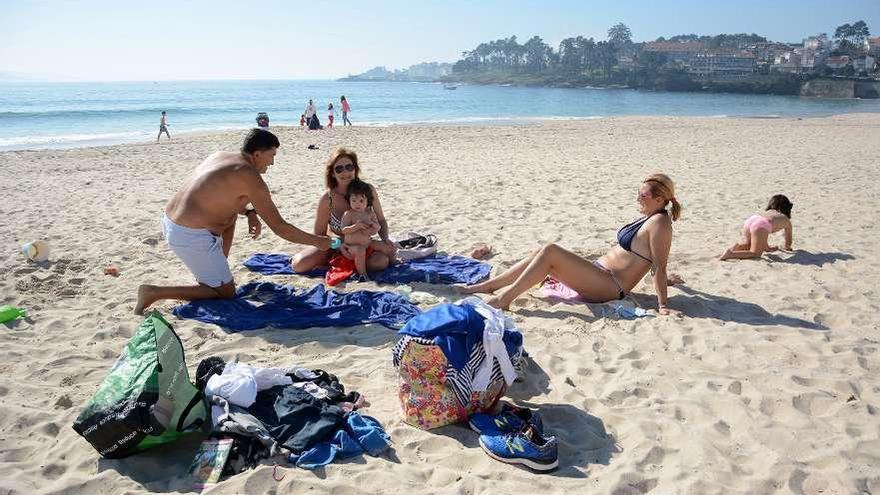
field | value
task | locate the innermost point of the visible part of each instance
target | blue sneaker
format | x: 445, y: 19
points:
x: 526, y: 447
x: 511, y: 418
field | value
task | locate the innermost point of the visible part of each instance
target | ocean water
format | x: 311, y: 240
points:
x: 57, y: 115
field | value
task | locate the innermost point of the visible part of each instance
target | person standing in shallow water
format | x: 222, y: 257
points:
x: 199, y: 221
x: 309, y: 112
x: 331, y: 114
x: 163, y: 126
x: 346, y: 108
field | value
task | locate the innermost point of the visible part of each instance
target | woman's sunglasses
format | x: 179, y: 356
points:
x: 348, y: 167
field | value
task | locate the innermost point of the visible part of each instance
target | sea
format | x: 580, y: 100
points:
x: 75, y: 114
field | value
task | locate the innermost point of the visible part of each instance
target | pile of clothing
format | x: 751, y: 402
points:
x: 303, y: 414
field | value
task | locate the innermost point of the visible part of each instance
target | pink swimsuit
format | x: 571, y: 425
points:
x: 758, y: 222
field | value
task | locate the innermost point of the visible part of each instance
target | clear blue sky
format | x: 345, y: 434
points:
x: 269, y: 39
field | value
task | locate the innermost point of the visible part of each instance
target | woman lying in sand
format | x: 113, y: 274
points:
x: 342, y: 169
x: 643, y: 246
x: 758, y: 227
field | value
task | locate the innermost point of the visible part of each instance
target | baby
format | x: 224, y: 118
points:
x: 757, y: 229
x: 359, y: 225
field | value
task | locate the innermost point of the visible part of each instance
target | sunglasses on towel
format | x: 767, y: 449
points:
x: 348, y: 167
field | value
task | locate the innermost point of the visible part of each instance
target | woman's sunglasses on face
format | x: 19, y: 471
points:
x: 348, y: 167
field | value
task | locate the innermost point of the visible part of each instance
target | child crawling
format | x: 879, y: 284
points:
x: 359, y: 225
x: 758, y: 227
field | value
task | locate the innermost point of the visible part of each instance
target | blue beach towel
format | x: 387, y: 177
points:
x: 264, y: 304
x: 361, y: 434
x: 435, y: 269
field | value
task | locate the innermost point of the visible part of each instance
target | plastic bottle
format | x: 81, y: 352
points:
x: 36, y: 250
x: 420, y: 297
x: 335, y: 243
x: 403, y: 290
x: 9, y: 313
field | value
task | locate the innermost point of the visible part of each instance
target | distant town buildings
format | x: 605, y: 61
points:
x: 722, y: 64
x: 874, y: 47
x: 812, y: 55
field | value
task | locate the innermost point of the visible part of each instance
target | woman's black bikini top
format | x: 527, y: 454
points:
x: 628, y: 232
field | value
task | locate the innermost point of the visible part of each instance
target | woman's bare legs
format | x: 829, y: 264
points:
x: 310, y: 258
x: 502, y: 280
x: 587, y: 279
x: 378, y: 261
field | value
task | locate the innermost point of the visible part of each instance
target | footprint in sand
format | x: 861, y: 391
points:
x: 768, y: 406
x: 633, y: 485
x: 50, y: 429
x: 818, y: 404
x: 654, y: 457
x: 631, y: 355
x: 54, y: 471
x: 722, y: 427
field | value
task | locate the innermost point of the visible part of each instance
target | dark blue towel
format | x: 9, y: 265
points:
x: 434, y: 269
x: 264, y: 304
x: 361, y: 434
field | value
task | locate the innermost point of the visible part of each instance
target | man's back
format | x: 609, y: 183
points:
x: 214, y: 194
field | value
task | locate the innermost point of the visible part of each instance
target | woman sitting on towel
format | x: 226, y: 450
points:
x: 342, y: 169
x: 643, y: 246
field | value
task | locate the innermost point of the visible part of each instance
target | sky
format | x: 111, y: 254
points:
x: 102, y: 40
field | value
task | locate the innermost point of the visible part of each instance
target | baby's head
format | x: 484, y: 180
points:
x: 360, y: 196
x: 780, y: 203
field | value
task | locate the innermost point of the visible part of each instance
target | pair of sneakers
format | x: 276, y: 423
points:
x: 516, y: 436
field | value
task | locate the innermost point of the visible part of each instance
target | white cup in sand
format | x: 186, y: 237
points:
x: 36, y: 250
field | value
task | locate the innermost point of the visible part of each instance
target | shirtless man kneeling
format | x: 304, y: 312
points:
x: 199, y: 221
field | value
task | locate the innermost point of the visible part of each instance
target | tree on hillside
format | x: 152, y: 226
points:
x: 569, y: 58
x: 619, y: 35
x: 538, y: 54
x: 851, y: 37
x: 586, y: 48
x: 606, y: 57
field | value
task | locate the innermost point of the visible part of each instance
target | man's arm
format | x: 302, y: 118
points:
x: 259, y: 195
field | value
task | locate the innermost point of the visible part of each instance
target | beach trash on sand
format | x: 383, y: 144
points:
x: 36, y: 250
x: 9, y: 313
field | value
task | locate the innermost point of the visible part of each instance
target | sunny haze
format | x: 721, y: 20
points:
x: 440, y: 247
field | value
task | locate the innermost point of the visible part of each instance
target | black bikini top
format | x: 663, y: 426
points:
x: 628, y: 232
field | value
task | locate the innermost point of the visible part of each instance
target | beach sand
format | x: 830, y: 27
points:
x: 768, y: 385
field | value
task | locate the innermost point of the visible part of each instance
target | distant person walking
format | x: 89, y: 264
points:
x: 310, y: 112
x: 163, y: 126
x: 331, y: 114
x: 345, y: 109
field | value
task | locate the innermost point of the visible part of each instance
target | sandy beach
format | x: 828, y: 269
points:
x: 768, y: 385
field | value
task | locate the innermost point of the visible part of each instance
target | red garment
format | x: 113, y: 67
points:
x: 341, y: 268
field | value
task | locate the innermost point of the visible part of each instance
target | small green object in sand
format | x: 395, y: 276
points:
x: 9, y: 313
